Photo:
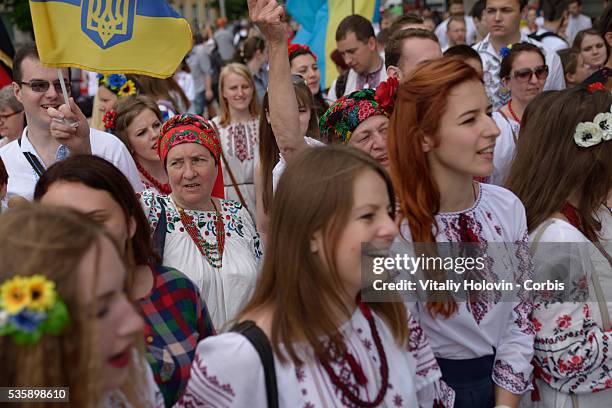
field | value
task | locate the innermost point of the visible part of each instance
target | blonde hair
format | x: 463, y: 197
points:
x: 243, y: 71
x: 52, y: 242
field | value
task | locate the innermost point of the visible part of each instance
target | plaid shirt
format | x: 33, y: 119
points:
x: 176, y: 319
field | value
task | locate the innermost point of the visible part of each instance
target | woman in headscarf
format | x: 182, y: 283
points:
x: 213, y: 241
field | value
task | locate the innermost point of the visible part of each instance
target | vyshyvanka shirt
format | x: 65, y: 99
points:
x: 489, y: 327
x: 227, y: 372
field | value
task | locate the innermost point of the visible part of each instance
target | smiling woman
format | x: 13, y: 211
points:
x: 64, y: 307
x: 441, y: 136
x: 214, y: 242
x: 238, y: 128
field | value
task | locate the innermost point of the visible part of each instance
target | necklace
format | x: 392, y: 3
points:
x: 358, y: 371
x: 214, y: 258
x: 162, y: 188
x: 512, y: 112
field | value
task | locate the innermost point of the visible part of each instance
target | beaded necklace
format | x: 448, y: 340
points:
x: 162, y: 188
x: 514, y: 116
x: 206, y: 249
x: 358, y: 371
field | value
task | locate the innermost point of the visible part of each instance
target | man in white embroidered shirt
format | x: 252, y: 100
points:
x: 48, y: 138
x: 357, y: 45
x: 503, y: 18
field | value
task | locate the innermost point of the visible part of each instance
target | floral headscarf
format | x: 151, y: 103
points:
x: 192, y: 129
x: 293, y: 48
x: 344, y: 115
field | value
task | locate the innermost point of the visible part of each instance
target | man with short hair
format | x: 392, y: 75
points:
x: 456, y: 9
x: 408, y: 20
x: 576, y: 21
x: 477, y: 14
x: 552, y: 11
x: 407, y: 49
x: 455, y: 32
x: 54, y: 129
x: 503, y: 19
x: 357, y: 45
x: 225, y: 40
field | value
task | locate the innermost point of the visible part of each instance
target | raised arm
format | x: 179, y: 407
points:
x: 284, y: 114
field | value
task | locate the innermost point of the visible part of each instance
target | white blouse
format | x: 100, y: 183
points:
x: 505, y: 148
x: 227, y: 289
x: 227, y: 372
x: 573, y: 352
x: 240, y: 143
x: 476, y: 330
x: 279, y: 169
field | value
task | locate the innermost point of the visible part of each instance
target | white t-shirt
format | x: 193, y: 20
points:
x: 23, y: 178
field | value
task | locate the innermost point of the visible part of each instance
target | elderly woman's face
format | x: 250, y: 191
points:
x: 191, y: 172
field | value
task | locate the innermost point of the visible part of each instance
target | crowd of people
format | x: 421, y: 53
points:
x: 200, y: 240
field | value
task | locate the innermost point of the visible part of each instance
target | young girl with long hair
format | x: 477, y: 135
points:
x: 175, y: 316
x: 563, y: 175
x: 329, y: 348
x: 441, y: 137
x: 65, y: 316
x: 238, y: 130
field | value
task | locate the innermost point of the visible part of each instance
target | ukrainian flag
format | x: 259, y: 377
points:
x: 111, y: 36
x: 319, y: 20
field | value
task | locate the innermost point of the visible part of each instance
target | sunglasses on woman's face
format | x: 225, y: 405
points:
x: 525, y: 74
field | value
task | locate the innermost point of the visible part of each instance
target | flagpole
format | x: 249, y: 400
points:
x: 352, y: 7
x: 60, y: 76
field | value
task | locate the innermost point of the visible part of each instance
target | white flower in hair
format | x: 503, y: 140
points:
x: 604, y: 121
x: 588, y: 134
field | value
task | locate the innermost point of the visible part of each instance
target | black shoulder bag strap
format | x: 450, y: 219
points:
x: 159, y: 235
x: 341, y: 85
x: 260, y: 341
x: 33, y: 160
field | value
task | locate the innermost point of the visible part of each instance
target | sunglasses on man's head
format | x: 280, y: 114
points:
x: 38, y: 85
x: 525, y: 74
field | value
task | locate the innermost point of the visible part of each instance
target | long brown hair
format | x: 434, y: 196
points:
x: 127, y: 109
x: 549, y: 166
x: 243, y: 71
x: 52, y: 242
x: 421, y: 102
x: 268, y: 149
x: 99, y: 174
x: 302, y: 292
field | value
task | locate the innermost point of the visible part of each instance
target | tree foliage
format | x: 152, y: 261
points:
x: 19, y: 14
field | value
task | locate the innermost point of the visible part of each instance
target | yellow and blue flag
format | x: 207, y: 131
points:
x: 111, y: 36
x: 319, y: 20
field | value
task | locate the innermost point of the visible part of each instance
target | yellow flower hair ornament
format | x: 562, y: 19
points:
x: 29, y: 308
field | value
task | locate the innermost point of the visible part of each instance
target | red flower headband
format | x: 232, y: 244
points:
x: 386, y: 93
x: 292, y: 48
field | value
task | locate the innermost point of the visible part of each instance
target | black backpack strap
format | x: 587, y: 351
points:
x: 259, y: 340
x: 33, y: 160
x: 159, y: 235
x: 540, y: 37
x: 341, y: 84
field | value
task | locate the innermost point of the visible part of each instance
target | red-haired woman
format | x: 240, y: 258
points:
x: 442, y: 136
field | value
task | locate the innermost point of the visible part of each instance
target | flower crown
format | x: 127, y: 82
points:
x: 117, y: 84
x: 29, y: 308
x: 592, y: 133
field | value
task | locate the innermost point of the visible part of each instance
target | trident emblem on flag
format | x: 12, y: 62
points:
x: 108, y: 22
